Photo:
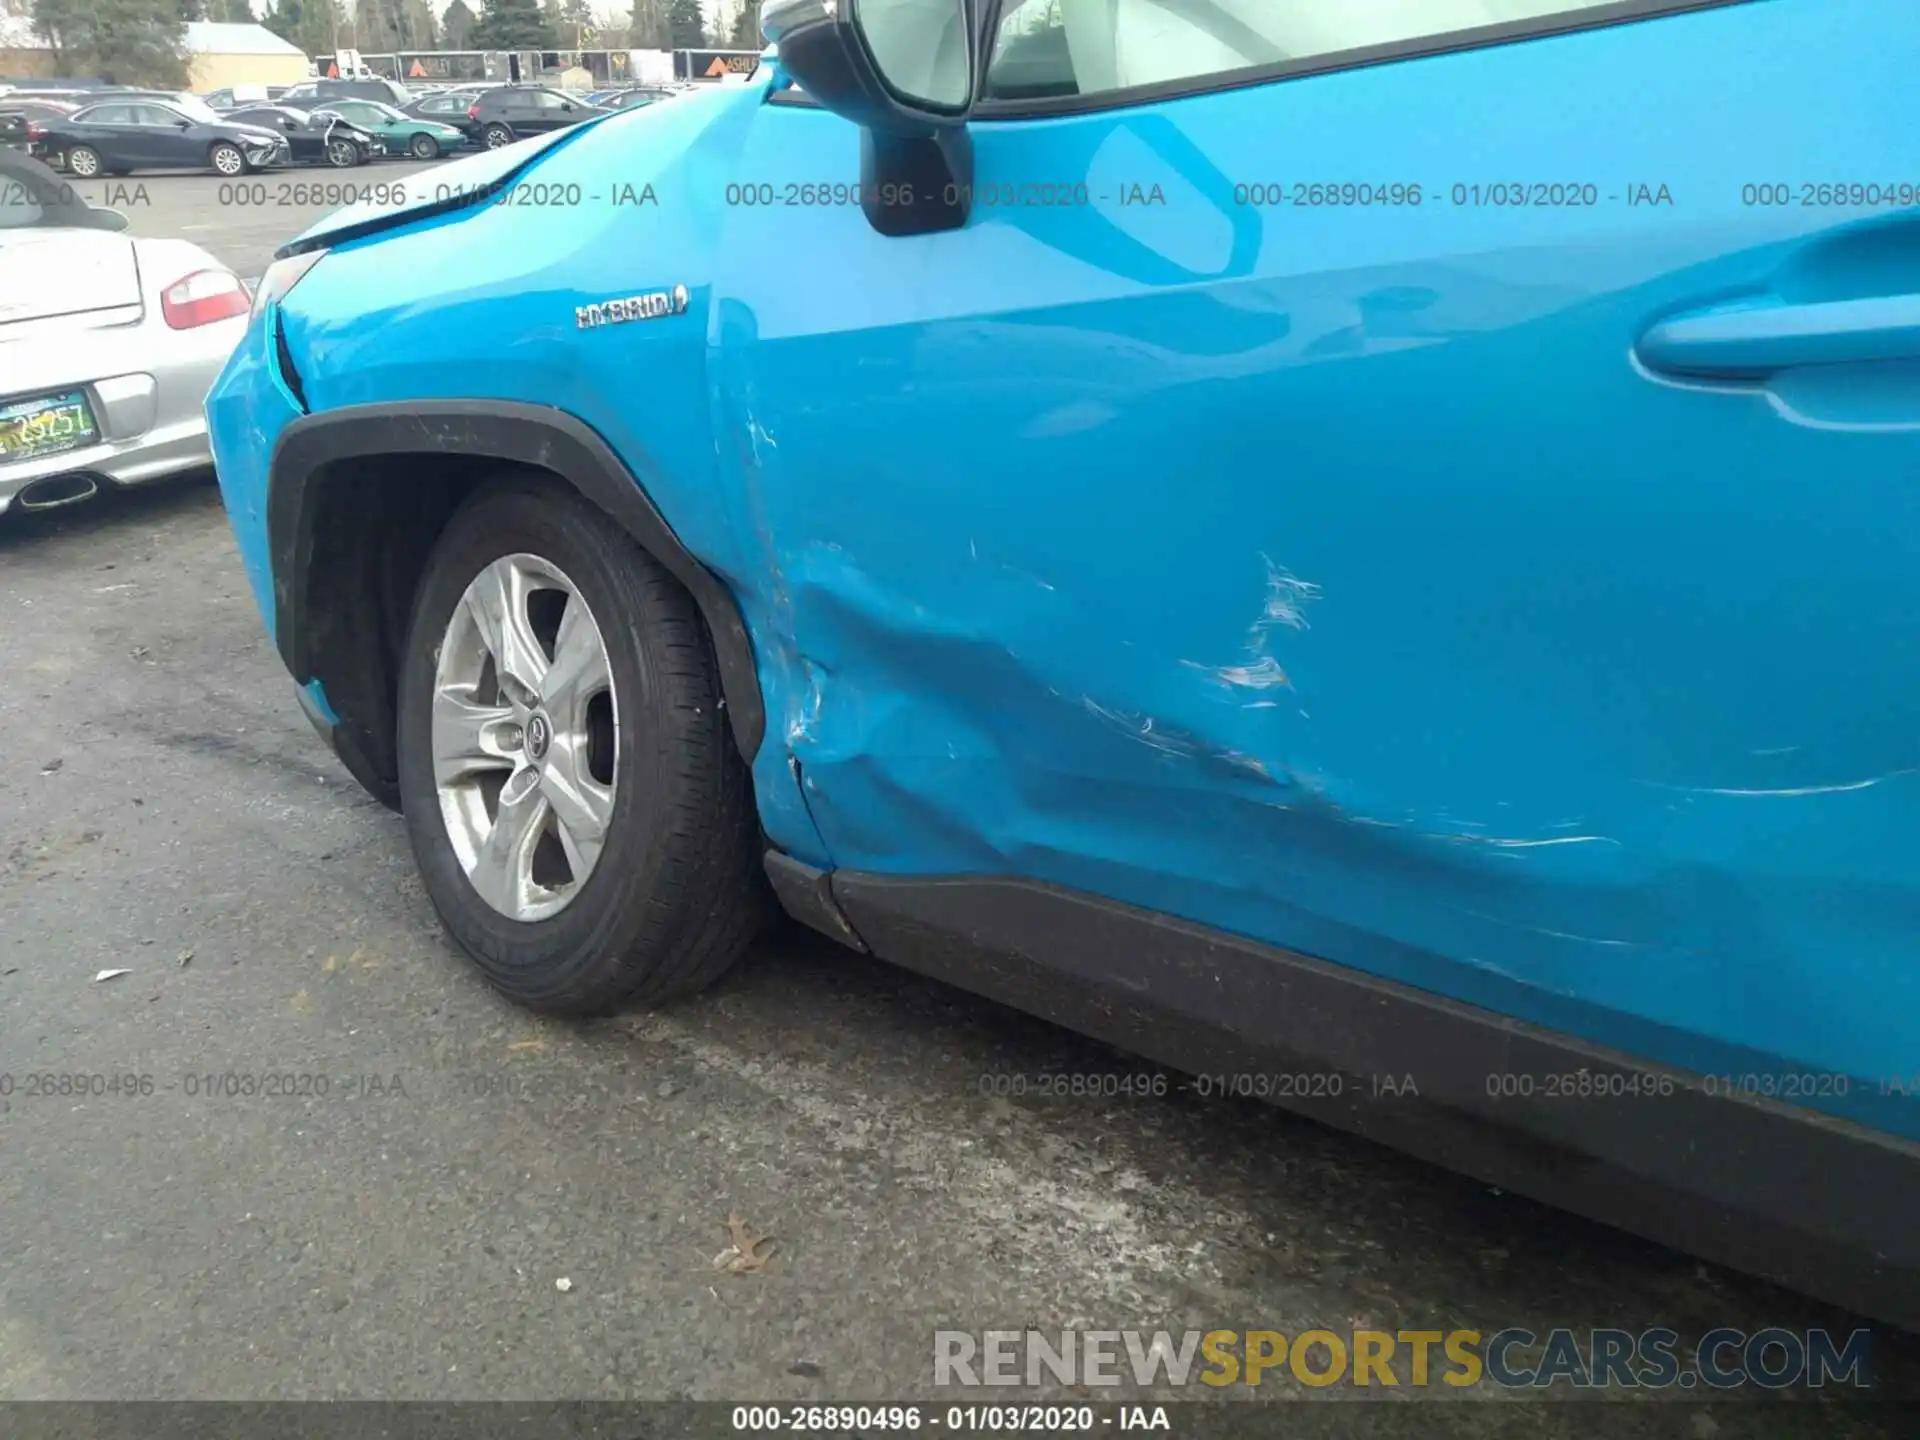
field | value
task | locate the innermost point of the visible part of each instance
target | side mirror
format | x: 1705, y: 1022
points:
x: 183, y: 124
x: 906, y: 72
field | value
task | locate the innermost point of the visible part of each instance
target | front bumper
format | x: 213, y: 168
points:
x: 151, y: 418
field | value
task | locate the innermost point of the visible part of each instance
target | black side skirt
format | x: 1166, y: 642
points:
x: 1815, y: 1203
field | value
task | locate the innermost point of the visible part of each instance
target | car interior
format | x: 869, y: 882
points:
x: 1052, y: 48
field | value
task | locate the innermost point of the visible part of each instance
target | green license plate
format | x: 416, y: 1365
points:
x: 45, y: 424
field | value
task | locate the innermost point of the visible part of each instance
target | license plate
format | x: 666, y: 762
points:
x: 45, y: 424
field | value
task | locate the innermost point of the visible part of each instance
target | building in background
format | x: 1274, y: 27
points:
x: 226, y: 55
x: 219, y: 55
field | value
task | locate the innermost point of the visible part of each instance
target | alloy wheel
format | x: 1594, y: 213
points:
x: 525, y: 737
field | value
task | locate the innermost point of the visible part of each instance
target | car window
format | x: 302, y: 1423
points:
x: 1046, y: 48
x: 547, y: 100
x: 156, y: 115
x: 105, y: 115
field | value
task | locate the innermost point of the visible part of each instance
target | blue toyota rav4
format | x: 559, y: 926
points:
x: 1367, y: 550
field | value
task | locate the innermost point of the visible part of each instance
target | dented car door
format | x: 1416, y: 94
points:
x: 1475, y: 547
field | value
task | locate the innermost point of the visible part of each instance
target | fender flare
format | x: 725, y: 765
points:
x: 537, y: 436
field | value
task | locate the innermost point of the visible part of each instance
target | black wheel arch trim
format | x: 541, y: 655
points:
x: 538, y: 436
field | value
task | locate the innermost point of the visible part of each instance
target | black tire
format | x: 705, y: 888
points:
x: 343, y: 154
x: 424, y: 147
x: 678, y: 893
x: 227, y: 159
x: 83, y: 162
x: 496, y: 136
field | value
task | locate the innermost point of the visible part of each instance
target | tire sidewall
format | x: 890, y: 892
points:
x: 496, y: 137
x: 76, y: 170
x: 551, y: 958
x: 423, y: 147
x: 221, y: 148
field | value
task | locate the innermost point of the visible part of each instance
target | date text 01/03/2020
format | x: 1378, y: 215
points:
x: 990, y: 1419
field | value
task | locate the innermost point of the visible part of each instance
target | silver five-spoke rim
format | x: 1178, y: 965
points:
x: 525, y: 737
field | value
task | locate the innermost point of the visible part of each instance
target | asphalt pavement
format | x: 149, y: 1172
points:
x: 301, y: 1152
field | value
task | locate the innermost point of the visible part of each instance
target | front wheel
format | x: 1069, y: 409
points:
x: 582, y: 821
x: 343, y: 154
x: 424, y: 147
x: 227, y: 160
x: 84, y: 161
x: 497, y: 137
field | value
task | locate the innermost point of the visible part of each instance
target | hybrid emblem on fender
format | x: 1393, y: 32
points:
x: 654, y: 306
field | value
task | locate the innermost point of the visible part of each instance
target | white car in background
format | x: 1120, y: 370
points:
x: 108, y: 344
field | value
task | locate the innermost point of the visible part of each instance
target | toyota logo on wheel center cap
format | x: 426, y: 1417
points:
x: 539, y: 737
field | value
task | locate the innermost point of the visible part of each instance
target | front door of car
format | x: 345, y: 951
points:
x: 157, y: 137
x: 1447, y: 509
x: 541, y: 111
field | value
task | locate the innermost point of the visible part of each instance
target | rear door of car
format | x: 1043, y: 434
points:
x: 1437, y: 497
x: 109, y: 129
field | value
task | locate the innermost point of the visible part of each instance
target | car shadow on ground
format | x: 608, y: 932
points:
x: 113, y: 507
x: 1383, y: 1234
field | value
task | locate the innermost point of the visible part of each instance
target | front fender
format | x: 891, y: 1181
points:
x: 537, y: 436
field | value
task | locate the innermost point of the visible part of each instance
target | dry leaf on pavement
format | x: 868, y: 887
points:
x: 745, y: 1254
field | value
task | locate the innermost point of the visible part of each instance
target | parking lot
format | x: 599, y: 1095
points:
x: 241, y: 221
x: 357, y: 1173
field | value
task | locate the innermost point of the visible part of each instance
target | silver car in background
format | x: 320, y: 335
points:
x: 108, y: 344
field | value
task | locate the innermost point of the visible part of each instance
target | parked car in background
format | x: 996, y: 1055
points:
x: 403, y: 134
x: 512, y: 112
x: 448, y: 107
x: 241, y: 97
x: 315, y: 137
x: 634, y: 96
x: 370, y: 87
x: 13, y: 130
x: 107, y: 344
x: 36, y: 111
x: 119, y: 136
x: 1415, y: 637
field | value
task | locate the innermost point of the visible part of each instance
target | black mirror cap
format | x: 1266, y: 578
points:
x: 820, y: 45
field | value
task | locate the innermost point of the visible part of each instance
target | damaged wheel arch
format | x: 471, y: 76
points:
x: 355, y: 501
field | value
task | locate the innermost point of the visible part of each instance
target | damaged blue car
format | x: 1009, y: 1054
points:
x: 1368, y: 552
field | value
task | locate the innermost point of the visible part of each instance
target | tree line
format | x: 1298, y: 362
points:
x: 143, y: 42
